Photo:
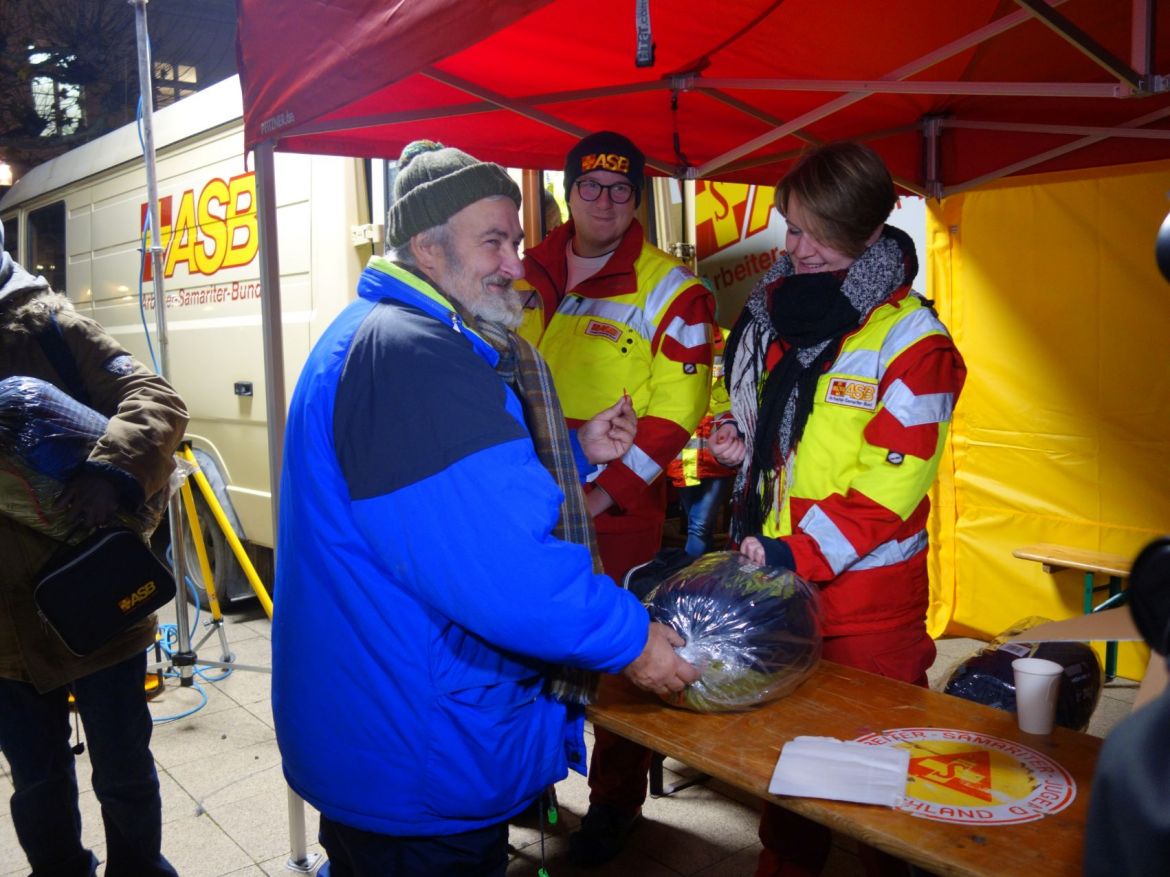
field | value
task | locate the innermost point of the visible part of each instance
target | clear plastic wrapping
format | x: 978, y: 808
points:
x: 45, y: 437
x: 754, y: 631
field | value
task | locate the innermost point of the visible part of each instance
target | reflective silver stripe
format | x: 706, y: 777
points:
x: 913, y: 410
x: 832, y: 542
x: 688, y: 335
x: 892, y: 552
x: 665, y: 290
x: 641, y: 464
x: 908, y: 330
x: 857, y: 363
x: 693, y: 444
x: 624, y: 314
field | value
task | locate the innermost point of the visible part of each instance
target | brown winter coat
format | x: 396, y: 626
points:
x: 147, y: 419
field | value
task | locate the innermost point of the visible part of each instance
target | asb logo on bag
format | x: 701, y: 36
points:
x: 127, y: 603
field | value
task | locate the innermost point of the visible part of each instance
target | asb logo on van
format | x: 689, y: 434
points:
x: 209, y: 230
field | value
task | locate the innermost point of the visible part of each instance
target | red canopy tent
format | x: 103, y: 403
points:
x: 951, y: 94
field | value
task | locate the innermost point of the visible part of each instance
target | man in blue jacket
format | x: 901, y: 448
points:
x: 429, y: 618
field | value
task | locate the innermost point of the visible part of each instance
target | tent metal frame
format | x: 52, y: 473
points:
x: 1132, y: 81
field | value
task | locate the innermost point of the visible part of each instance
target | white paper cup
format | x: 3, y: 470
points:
x: 1037, y: 684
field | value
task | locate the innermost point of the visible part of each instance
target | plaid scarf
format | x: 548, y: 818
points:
x: 522, y: 368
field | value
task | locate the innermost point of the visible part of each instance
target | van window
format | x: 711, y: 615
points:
x: 46, y: 244
x: 12, y: 236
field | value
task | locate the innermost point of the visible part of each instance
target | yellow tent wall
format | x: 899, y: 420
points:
x: 1062, y: 434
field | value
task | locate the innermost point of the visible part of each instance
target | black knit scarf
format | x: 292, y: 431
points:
x: 811, y: 314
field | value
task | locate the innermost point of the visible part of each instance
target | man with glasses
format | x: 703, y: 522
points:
x: 613, y: 314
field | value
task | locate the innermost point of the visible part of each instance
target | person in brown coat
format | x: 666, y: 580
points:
x: 130, y: 463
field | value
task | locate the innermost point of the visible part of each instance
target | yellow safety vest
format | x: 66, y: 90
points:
x: 597, y: 347
x: 833, y: 455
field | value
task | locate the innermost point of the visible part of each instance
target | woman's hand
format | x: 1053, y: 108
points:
x: 753, y: 550
x: 727, y: 445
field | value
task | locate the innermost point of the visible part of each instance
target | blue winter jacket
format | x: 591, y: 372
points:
x: 420, y: 598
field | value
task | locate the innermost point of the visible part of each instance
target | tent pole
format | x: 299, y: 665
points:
x: 533, y: 216
x: 273, y: 333
x: 690, y: 237
x: 271, y: 326
x: 183, y: 659
x: 932, y: 173
x: 1141, y: 40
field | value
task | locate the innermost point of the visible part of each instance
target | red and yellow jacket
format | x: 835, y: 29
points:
x: 695, y: 461
x: 643, y: 325
x: 855, y: 512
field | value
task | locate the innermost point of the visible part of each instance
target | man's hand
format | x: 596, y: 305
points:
x: 658, y: 668
x: 727, y: 445
x: 89, y: 499
x: 608, y: 434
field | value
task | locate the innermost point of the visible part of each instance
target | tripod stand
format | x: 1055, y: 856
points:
x: 184, y: 660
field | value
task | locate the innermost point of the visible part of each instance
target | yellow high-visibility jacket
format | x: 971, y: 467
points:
x: 642, y: 325
x: 695, y: 461
x: 855, y: 510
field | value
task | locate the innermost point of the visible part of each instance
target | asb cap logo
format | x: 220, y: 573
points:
x: 605, y: 161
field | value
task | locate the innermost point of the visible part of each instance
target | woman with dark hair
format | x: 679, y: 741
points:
x: 842, y: 384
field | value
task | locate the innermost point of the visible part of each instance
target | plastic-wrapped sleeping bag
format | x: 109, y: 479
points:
x: 45, y: 437
x: 986, y: 677
x: 754, y: 631
x: 46, y: 428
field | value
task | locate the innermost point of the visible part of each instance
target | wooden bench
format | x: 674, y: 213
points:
x: 741, y: 749
x: 1114, y: 567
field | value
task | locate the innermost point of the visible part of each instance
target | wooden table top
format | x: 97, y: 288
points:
x: 1055, y: 557
x: 742, y: 748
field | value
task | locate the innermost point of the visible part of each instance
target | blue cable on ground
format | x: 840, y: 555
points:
x: 169, y: 642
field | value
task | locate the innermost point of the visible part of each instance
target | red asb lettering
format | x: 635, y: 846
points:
x: 605, y: 161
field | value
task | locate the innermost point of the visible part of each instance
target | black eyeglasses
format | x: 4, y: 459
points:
x: 590, y: 190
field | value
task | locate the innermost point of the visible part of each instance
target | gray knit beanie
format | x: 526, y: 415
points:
x: 434, y: 183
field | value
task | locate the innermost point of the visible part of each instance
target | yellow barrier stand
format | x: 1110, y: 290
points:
x: 221, y: 519
x: 200, y: 550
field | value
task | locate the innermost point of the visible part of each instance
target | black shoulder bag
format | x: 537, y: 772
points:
x: 93, y: 591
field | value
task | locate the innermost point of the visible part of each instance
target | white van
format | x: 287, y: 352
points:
x: 79, y: 218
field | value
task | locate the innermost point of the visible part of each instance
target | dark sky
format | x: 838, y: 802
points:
x: 93, y: 43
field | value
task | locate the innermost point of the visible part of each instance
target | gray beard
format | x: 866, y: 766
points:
x: 507, y: 311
